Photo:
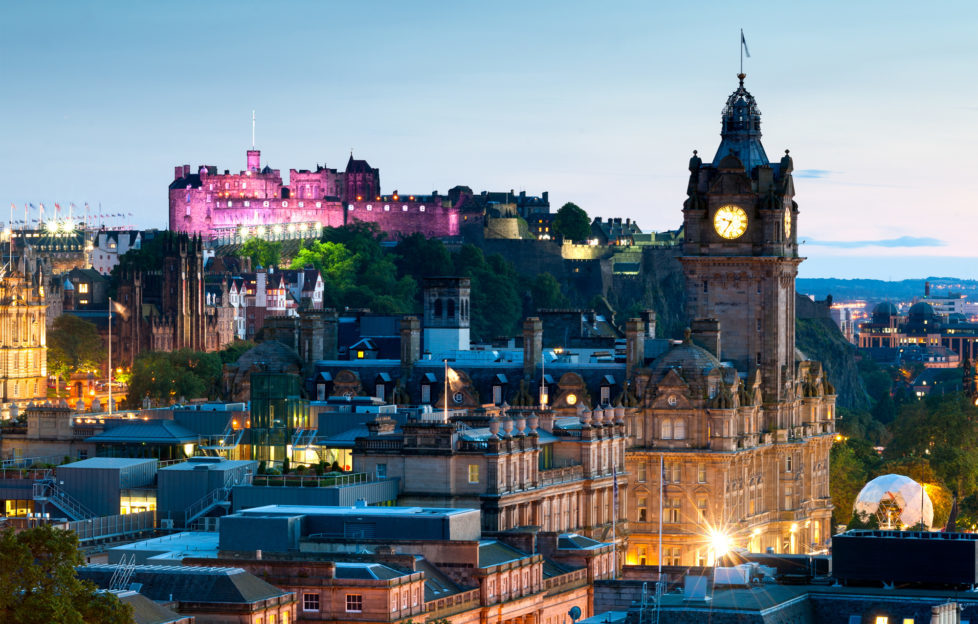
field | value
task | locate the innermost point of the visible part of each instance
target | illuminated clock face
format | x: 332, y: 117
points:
x: 572, y: 399
x: 787, y: 223
x: 730, y: 222
x: 458, y: 398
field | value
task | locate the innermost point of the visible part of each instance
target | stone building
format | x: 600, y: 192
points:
x: 171, y: 307
x: 23, y: 333
x: 256, y: 200
x: 733, y: 427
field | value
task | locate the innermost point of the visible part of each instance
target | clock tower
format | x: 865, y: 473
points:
x: 740, y: 251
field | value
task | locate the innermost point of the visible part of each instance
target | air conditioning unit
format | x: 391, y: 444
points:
x: 166, y: 523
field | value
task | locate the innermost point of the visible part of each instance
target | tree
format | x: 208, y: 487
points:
x: 545, y: 292
x: 169, y: 376
x: 262, y: 252
x: 38, y: 582
x: 74, y: 345
x: 572, y: 223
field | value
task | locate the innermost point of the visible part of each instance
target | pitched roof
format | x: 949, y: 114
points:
x: 152, y: 431
x: 189, y: 583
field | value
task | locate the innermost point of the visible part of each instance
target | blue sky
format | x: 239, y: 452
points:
x: 599, y: 103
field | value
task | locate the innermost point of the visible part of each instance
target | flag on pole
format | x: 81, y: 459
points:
x: 743, y: 42
x: 121, y: 310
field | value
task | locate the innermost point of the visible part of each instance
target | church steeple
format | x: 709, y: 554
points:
x: 741, y: 130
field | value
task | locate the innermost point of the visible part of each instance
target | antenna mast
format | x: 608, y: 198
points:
x: 253, y: 126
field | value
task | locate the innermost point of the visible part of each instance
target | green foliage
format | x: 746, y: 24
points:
x: 572, y: 223
x: 233, y: 351
x: 38, y: 583
x: 357, y: 271
x: 74, y: 345
x: 546, y: 293
x: 850, y: 464
x: 263, y: 253
x: 169, y: 376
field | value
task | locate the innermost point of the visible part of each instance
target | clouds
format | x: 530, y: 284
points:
x: 901, y: 241
x: 812, y: 173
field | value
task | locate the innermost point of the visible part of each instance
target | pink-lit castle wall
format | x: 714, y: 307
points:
x: 217, y: 205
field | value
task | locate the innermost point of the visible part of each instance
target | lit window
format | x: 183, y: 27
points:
x: 83, y: 288
x: 360, y: 355
x: 319, y: 204
x: 882, y: 619
x: 421, y: 208
x: 229, y: 203
x: 701, y: 473
x: 473, y: 473
x: 285, y: 204
x: 302, y: 204
x: 354, y: 603
x: 387, y: 207
x: 264, y: 204
x: 370, y: 207
x: 404, y: 208
x: 310, y: 602
x: 247, y: 203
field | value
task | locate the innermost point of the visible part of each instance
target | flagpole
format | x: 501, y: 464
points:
x: 110, y: 356
x: 741, y: 50
x: 445, y: 412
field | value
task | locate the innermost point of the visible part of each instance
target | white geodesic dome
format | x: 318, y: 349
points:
x: 908, y: 495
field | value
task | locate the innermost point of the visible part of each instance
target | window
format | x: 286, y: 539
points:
x: 787, y: 463
x: 672, y: 556
x: 701, y: 509
x: 679, y: 429
x: 701, y: 473
x: 666, y: 433
x: 83, y: 288
x: 758, y: 358
x: 381, y: 471
x: 271, y: 618
x: 387, y: 207
x: 672, y: 507
x: 882, y: 619
x: 426, y: 393
x: 643, y: 473
x: 421, y: 208
x: 605, y: 395
x: 414, y: 601
x: 788, y: 497
x: 473, y: 473
x: 497, y: 395
x: 354, y: 603
x: 643, y: 505
x: 673, y: 472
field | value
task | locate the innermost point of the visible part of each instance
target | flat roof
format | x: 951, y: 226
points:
x: 177, y: 545
x: 326, y: 510
x: 109, y: 462
x: 194, y: 463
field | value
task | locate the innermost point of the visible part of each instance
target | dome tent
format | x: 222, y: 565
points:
x: 904, y: 501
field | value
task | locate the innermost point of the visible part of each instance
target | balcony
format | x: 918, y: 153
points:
x: 555, y: 476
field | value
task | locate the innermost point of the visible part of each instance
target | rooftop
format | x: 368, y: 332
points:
x: 322, y: 510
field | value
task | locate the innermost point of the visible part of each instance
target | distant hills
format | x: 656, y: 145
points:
x: 877, y: 290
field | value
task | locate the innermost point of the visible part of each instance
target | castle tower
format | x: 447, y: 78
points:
x: 446, y: 314
x: 740, y: 254
x: 254, y: 160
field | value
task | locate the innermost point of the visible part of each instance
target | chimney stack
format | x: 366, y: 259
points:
x: 532, y: 345
x: 649, y: 316
x: 706, y: 333
x: 410, y: 341
x: 634, y: 345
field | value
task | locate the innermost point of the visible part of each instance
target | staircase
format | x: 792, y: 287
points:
x: 217, y: 497
x: 47, y: 491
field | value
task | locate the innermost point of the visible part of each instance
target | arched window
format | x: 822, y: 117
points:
x: 437, y: 307
x: 666, y: 429
x: 679, y: 429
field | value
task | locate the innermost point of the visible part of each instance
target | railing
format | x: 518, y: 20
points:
x: 112, y: 526
x: 213, y: 498
x: 327, y: 480
x: 28, y: 462
x: 560, y: 475
x: 32, y: 474
x: 47, y: 490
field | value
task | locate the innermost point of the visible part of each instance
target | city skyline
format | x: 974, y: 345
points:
x: 870, y: 101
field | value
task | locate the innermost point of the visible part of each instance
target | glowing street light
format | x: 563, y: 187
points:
x: 68, y: 226
x: 51, y: 227
x: 719, y: 544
